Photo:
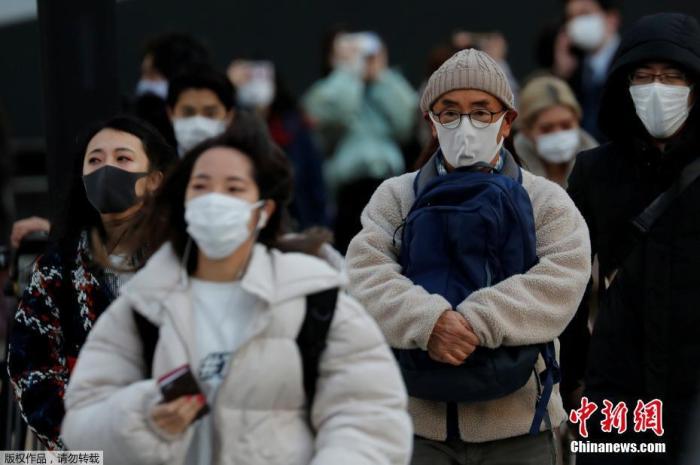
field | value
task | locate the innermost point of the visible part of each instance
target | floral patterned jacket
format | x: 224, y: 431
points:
x: 54, y: 317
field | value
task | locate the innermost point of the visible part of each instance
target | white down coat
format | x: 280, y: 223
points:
x: 259, y: 412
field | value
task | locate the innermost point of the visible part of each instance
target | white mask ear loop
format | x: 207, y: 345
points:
x: 262, y: 220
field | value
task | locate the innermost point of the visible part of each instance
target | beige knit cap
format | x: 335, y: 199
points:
x: 468, y: 69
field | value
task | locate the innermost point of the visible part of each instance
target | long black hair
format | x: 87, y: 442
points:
x: 271, y: 172
x: 78, y: 214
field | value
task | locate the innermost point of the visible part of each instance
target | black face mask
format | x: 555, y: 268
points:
x: 111, y: 189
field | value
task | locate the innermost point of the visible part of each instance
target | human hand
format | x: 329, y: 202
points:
x: 22, y: 228
x: 174, y: 417
x: 452, y: 339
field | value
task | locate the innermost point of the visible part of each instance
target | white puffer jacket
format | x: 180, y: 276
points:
x: 259, y: 413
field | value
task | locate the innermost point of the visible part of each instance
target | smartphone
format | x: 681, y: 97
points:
x: 181, y: 382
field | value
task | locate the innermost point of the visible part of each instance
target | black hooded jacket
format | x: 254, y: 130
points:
x: 646, y: 341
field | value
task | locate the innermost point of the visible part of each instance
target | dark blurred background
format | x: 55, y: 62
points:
x: 288, y: 32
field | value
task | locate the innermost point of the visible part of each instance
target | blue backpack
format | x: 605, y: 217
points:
x: 465, y: 231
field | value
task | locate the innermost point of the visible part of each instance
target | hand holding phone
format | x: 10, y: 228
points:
x: 183, y: 401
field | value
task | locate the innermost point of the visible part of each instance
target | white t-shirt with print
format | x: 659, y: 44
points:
x: 223, y: 313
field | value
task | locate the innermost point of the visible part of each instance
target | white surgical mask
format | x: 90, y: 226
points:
x: 195, y: 129
x: 256, y: 93
x: 467, y: 145
x: 587, y: 31
x: 158, y: 87
x: 558, y: 147
x: 662, y: 108
x: 218, y: 223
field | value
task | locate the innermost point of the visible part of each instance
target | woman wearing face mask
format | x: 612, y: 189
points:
x: 470, y: 108
x: 646, y: 341
x: 93, y: 254
x: 230, y: 305
x: 550, y: 135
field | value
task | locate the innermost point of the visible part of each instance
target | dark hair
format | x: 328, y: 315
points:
x: 174, y: 52
x: 202, y: 77
x: 78, y: 214
x: 271, y: 171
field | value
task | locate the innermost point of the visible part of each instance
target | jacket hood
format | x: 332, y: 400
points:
x: 271, y: 275
x: 669, y: 37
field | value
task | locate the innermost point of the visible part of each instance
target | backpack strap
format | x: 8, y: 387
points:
x: 547, y: 379
x: 311, y: 340
x: 149, y: 334
x: 653, y: 212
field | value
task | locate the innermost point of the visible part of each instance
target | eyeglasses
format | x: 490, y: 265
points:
x: 451, y: 119
x: 672, y: 78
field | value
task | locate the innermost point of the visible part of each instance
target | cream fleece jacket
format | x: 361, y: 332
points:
x: 528, y: 308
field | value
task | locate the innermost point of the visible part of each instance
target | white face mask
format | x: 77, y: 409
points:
x: 256, y: 93
x: 218, y: 223
x: 587, y: 31
x: 195, y: 129
x: 467, y: 145
x: 558, y: 147
x: 158, y: 87
x: 662, y: 108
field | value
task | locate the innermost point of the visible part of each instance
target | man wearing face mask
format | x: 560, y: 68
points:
x: 640, y: 198
x: 261, y: 90
x: 200, y: 106
x: 469, y: 106
x: 164, y: 57
x: 585, y: 50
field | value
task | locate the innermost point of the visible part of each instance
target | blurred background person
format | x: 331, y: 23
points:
x: 93, y: 253
x: 550, y: 134
x: 200, y: 105
x: 361, y: 113
x: 164, y: 57
x: 261, y: 89
x: 584, y: 50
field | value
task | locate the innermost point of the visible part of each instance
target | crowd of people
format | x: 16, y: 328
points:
x: 373, y: 274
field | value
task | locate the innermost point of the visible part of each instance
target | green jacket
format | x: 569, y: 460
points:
x: 362, y: 124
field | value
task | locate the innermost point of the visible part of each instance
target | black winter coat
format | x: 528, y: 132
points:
x: 646, y: 341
